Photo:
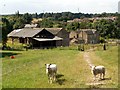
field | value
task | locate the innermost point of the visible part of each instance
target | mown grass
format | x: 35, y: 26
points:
x: 27, y: 70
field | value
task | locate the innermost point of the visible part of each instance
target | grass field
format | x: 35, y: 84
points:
x: 27, y: 70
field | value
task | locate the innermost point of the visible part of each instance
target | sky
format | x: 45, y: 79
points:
x: 119, y: 7
x: 43, y: 6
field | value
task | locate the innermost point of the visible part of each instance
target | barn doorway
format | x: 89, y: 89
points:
x: 44, y: 44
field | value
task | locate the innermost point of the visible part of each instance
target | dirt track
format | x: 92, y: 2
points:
x: 88, y: 59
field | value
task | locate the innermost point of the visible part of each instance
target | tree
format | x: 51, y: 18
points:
x: 46, y: 23
x: 27, y: 17
x: 6, y: 28
x: 19, y: 23
x: 106, y: 28
x: 85, y: 25
x: 35, y: 15
x: 117, y: 25
x: 73, y: 26
x: 17, y: 14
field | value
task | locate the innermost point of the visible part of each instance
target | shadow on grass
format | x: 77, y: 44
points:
x: 105, y: 79
x: 93, y: 86
x: 60, y: 80
x: 7, y: 54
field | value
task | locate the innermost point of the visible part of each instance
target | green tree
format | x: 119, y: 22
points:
x: 27, y: 17
x: 35, y: 15
x: 73, y: 26
x: 17, y: 14
x: 117, y: 25
x: 106, y: 28
x: 19, y: 23
x: 6, y: 28
x: 46, y: 23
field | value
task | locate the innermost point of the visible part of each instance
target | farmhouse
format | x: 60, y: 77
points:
x: 41, y: 37
x: 87, y: 36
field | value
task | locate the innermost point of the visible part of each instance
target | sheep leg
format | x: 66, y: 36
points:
x: 50, y: 80
x: 54, y: 76
x: 103, y: 75
x: 94, y: 77
x: 100, y: 75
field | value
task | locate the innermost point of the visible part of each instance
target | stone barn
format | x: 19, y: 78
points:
x: 86, y: 36
x: 41, y: 37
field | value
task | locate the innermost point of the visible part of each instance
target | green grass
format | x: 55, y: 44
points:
x: 109, y: 59
x: 27, y: 70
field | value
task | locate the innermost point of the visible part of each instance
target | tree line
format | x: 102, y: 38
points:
x: 64, y: 16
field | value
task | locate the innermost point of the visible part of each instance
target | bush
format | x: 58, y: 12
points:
x: 102, y: 40
x: 15, y: 46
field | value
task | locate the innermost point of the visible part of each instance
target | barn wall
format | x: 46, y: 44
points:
x: 44, y: 34
x: 84, y: 36
x: 87, y: 38
x: 59, y: 43
x: 44, y: 44
x: 97, y: 37
x: 65, y: 35
x: 73, y: 34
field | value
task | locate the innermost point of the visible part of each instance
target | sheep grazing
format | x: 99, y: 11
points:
x: 98, y: 70
x: 51, y: 71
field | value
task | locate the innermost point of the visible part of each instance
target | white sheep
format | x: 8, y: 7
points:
x: 98, y: 70
x: 51, y: 71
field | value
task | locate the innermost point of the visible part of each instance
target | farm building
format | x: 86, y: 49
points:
x: 87, y: 36
x: 41, y: 37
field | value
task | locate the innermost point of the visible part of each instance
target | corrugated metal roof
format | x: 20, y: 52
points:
x: 30, y: 32
x: 56, y: 38
x: 24, y: 32
x: 14, y: 32
x: 31, y: 25
x: 54, y: 31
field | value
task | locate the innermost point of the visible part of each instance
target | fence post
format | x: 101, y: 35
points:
x: 104, y: 46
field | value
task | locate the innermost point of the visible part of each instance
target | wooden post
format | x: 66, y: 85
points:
x: 27, y: 40
x: 79, y: 47
x: 104, y: 46
x: 12, y: 41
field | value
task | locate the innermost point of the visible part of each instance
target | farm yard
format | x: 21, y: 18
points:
x: 27, y: 69
x: 76, y: 45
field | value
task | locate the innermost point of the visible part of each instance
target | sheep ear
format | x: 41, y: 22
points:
x: 50, y: 64
x: 94, y: 67
x: 45, y: 64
